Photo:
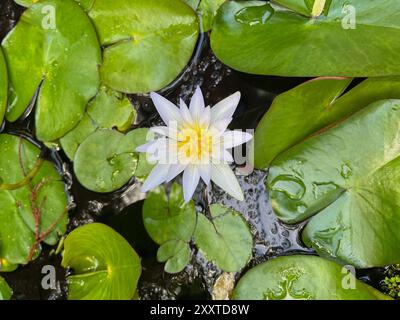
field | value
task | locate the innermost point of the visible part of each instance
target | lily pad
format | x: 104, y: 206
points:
x: 192, y: 3
x: 3, y: 86
x: 303, y: 278
x: 53, y: 50
x: 106, y: 160
x: 26, y: 3
x: 176, y: 254
x: 226, y: 239
x: 105, y: 266
x: 147, y: 47
x: 33, y: 202
x: 308, y: 8
x: 5, y: 290
x: 271, y: 41
x: 346, y: 179
x: 208, y: 10
x: 108, y: 110
x: 311, y: 106
x: 170, y: 222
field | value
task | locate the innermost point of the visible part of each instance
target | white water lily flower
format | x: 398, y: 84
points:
x: 194, y: 141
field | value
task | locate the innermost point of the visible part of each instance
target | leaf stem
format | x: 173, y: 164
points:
x: 26, y: 180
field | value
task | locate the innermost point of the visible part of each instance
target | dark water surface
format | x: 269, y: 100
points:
x: 122, y: 209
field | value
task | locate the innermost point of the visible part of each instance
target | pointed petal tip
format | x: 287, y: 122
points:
x: 223, y: 176
x: 239, y: 197
x: 197, y: 105
x: 226, y: 107
x: 153, y: 93
x: 191, y: 177
x: 143, y: 190
x: 141, y: 148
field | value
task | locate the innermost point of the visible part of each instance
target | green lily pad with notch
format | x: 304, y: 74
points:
x: 3, y: 86
x: 208, y: 10
x: 145, y: 47
x: 108, y: 110
x: 226, y: 239
x: 306, y: 7
x: 303, y: 278
x: 170, y: 222
x: 60, y: 62
x: 5, y: 290
x: 23, y: 174
x: 176, y: 254
x: 312, y: 106
x: 346, y: 180
x: 106, y: 160
x: 105, y: 266
x: 271, y: 41
x: 194, y: 4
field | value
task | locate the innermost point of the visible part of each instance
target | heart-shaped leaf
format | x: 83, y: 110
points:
x: 32, y: 200
x: 3, y: 86
x: 5, y: 290
x: 347, y: 179
x: 53, y: 49
x: 107, y: 160
x: 208, y: 10
x: 309, y: 8
x: 176, y: 254
x: 170, y: 222
x: 311, y: 106
x: 148, y: 45
x: 225, y: 239
x: 108, y: 110
x: 105, y: 266
x: 303, y: 278
x: 254, y: 37
x: 192, y: 3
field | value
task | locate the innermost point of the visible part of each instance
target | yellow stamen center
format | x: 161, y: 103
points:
x: 195, y: 142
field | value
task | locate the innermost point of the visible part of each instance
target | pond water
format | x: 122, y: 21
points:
x: 122, y: 209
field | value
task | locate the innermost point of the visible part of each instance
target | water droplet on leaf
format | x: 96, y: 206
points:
x: 254, y: 15
x: 346, y: 171
x: 320, y: 189
x: 291, y: 186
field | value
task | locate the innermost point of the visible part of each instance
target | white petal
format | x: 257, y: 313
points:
x: 167, y: 110
x: 205, y: 117
x: 196, y: 106
x: 223, y: 176
x: 174, y: 170
x: 144, y: 147
x: 225, y: 108
x: 191, y: 179
x: 228, y: 158
x: 153, y: 146
x: 162, y: 130
x: 186, y: 116
x: 205, y: 173
x: 156, y: 177
x: 170, y: 132
x: 235, y: 138
x: 149, y: 146
x: 221, y: 156
x: 158, y: 150
x: 219, y: 127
